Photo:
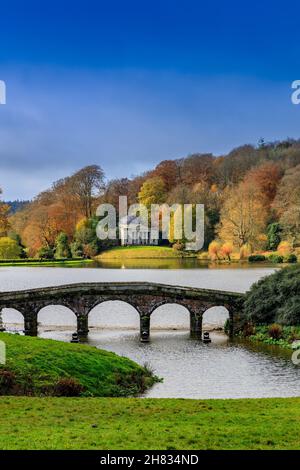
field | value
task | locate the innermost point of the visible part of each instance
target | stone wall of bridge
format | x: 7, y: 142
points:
x: 144, y: 297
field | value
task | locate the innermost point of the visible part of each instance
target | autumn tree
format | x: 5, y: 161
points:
x: 196, y: 168
x: 153, y: 191
x: 87, y: 184
x: 287, y: 204
x: 243, y: 215
x: 267, y: 177
x: 114, y: 189
x: 168, y: 171
x: 4, y: 223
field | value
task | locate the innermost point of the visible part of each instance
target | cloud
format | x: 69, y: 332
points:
x: 56, y: 121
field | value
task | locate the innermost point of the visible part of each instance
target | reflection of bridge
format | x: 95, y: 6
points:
x: 144, y: 296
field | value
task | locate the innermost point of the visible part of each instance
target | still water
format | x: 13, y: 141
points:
x: 190, y: 369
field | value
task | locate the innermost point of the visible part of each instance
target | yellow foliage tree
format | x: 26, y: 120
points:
x: 243, y: 215
x: 9, y: 249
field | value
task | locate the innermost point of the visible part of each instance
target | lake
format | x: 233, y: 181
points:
x: 190, y: 369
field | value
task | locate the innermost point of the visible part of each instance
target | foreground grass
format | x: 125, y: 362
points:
x: 122, y: 423
x: 36, y: 365
x: 141, y: 252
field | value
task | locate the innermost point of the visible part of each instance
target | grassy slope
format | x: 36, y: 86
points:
x: 135, y: 252
x: 114, y: 423
x: 39, y: 363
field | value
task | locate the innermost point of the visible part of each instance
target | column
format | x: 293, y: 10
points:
x: 144, y: 328
x: 82, y: 326
x: 30, y: 322
x: 196, y: 325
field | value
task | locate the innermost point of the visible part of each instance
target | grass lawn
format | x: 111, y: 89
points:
x: 139, y: 252
x: 37, y: 262
x: 132, y: 423
x: 35, y: 365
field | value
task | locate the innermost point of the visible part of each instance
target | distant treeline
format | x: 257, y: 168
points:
x: 251, y: 197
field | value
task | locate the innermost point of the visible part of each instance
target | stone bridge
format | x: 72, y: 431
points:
x: 145, y: 297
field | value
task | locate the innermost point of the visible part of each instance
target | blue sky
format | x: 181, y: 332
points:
x: 126, y: 84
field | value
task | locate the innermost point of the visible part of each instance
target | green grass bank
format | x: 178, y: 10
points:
x: 37, y: 366
x: 142, y: 252
x: 45, y: 262
x: 114, y: 423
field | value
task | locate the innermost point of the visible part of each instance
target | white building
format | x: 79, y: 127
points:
x: 132, y: 232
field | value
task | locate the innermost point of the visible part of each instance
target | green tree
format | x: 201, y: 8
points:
x: 9, y: 249
x: 46, y: 252
x: 274, y: 238
x: 62, y: 248
x: 76, y: 249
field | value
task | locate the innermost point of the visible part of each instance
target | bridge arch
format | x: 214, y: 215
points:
x: 170, y: 314
x: 215, y: 317
x: 114, y: 312
x: 13, y: 319
x: 56, y: 314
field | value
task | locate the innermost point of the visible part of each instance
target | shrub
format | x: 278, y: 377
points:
x: 284, y: 248
x: 256, y: 258
x: 178, y: 246
x: 277, y: 259
x: 291, y: 258
x: 275, y: 331
x: 245, y: 251
x: 275, y: 298
x: 7, y: 381
x: 227, y: 249
x: 248, y: 329
x: 214, y: 250
x: 68, y: 387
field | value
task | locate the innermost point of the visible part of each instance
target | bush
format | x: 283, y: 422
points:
x: 7, y: 381
x: 256, y: 258
x: 178, y: 246
x: 291, y: 259
x: 275, y: 331
x: 284, y: 248
x: 275, y: 298
x: 245, y: 251
x: 277, y: 259
x: 214, y: 250
x: 248, y: 329
x: 68, y: 387
x: 226, y: 250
